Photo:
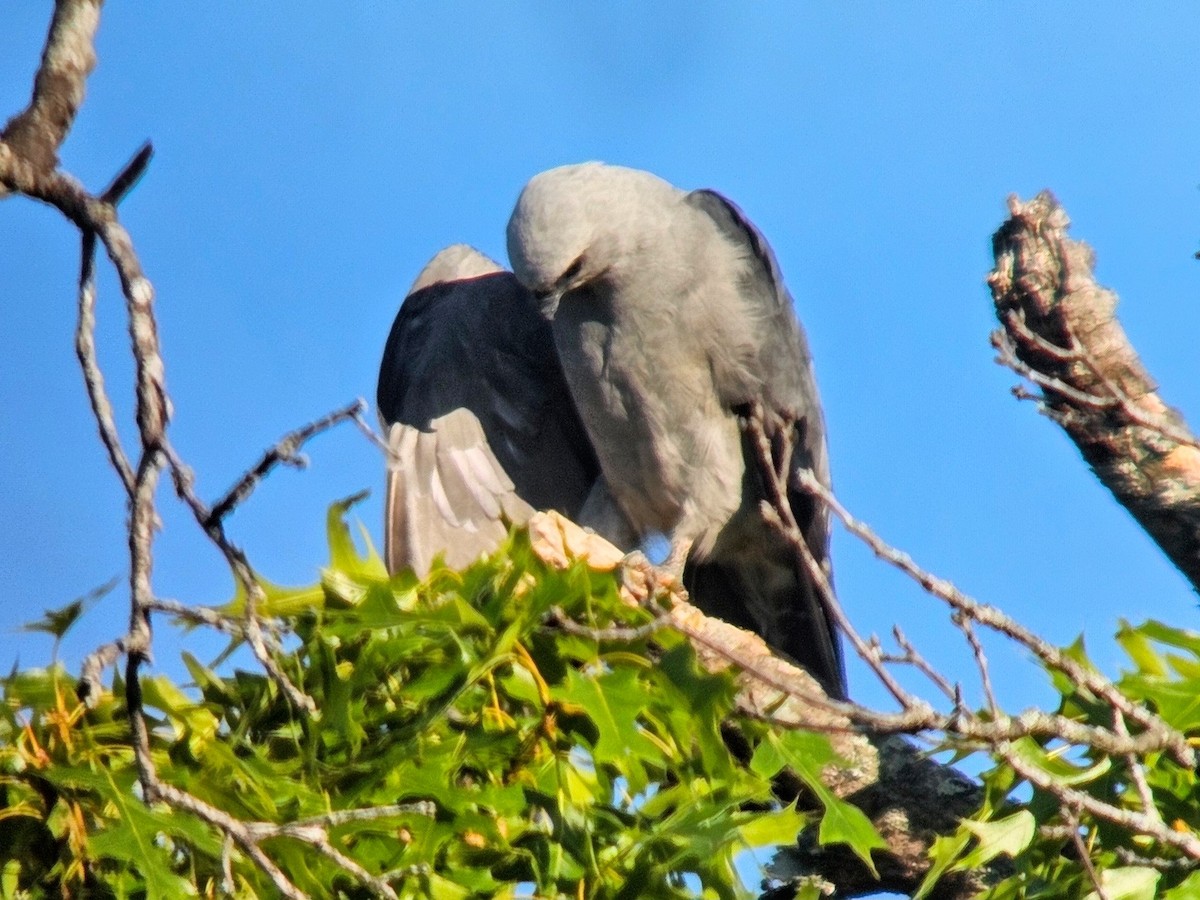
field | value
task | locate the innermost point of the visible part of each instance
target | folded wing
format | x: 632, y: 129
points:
x: 480, y: 427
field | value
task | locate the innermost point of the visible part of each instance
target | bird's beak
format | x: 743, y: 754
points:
x: 548, y: 301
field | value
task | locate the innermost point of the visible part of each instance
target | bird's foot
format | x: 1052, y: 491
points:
x: 677, y: 558
x: 642, y: 581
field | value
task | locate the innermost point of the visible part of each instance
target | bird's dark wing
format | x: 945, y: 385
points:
x: 479, y: 420
x: 782, y: 363
x: 784, y: 384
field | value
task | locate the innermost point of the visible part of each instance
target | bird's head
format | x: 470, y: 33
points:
x: 577, y: 224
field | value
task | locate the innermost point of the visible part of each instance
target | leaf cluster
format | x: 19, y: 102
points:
x: 531, y: 760
x: 1054, y: 844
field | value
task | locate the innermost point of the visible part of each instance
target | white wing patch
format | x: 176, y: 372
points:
x: 446, y: 494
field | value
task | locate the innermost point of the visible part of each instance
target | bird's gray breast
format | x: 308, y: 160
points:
x: 647, y: 400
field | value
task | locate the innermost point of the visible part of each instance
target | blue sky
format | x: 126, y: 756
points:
x: 311, y: 157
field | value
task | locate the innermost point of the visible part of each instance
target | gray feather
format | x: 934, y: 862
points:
x: 669, y: 316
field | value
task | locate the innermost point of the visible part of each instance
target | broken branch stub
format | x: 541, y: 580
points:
x: 1061, y: 332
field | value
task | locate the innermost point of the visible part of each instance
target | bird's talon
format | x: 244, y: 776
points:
x: 642, y: 580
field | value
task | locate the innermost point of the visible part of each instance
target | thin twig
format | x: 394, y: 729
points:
x: 93, y: 378
x: 1076, y: 353
x: 129, y: 176
x: 137, y: 641
x: 1136, y: 773
x: 913, y: 657
x: 371, y: 435
x: 85, y: 331
x: 285, y: 451
x: 251, y: 624
x: 1006, y: 356
x: 1136, y: 822
x: 94, y: 664
x: 337, y: 817
x: 981, y: 663
x: 244, y: 834
x: 213, y: 526
x: 1085, y: 856
x: 375, y: 884
x: 227, y: 864
x: 992, y: 618
x: 778, y: 510
x: 615, y: 633
x: 1130, y: 407
x: 199, y: 615
x: 1129, y: 857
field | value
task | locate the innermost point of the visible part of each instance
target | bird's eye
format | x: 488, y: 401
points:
x: 572, y: 270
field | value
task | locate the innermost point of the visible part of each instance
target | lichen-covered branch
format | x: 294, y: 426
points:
x: 1061, y: 332
x: 36, y: 133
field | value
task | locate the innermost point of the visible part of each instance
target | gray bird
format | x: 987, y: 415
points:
x: 478, y: 418
x: 670, y: 318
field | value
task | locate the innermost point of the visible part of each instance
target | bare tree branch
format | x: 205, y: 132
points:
x: 1062, y: 333
x: 1081, y: 849
x: 1136, y: 822
x: 1157, y: 732
x: 28, y: 166
x: 251, y: 624
x: 912, y: 657
x: 36, y: 133
x: 774, y: 690
x: 285, y: 451
x: 128, y: 177
x: 85, y: 331
x: 93, y: 377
